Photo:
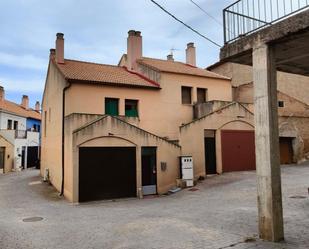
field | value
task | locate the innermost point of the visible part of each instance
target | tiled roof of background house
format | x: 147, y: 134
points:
x: 178, y: 67
x: 17, y: 109
x: 103, y: 74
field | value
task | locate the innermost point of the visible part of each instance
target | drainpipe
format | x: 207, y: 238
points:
x: 63, y: 116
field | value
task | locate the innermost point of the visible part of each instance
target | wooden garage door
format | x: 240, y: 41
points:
x: 106, y: 173
x: 238, y: 150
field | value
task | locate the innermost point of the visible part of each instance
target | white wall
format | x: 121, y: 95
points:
x: 4, y: 121
x: 33, y: 139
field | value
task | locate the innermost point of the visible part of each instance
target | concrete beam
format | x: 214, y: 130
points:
x: 267, y: 143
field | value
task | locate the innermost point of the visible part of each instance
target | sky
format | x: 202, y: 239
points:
x: 96, y: 31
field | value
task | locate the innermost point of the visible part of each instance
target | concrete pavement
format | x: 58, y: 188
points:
x: 221, y: 213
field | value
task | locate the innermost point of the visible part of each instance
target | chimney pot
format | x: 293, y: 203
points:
x: 25, y: 102
x: 60, y: 48
x: 37, y: 106
x: 52, y: 53
x: 134, y: 49
x: 191, y: 54
x: 170, y: 57
x: 2, y: 94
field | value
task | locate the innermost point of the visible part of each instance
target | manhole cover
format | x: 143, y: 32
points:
x: 298, y: 197
x: 32, y: 219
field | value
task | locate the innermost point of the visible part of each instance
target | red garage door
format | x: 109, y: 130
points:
x: 238, y: 150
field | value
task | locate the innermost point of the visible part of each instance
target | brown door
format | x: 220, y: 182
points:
x: 238, y: 150
x: 286, y: 150
x: 2, y: 159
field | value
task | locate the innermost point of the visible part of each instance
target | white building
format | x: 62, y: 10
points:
x: 19, y: 143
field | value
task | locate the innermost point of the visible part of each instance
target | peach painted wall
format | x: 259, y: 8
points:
x: 234, y: 117
x: 51, y: 138
x: 160, y: 111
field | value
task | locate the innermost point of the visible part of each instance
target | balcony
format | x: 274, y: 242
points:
x: 20, y: 134
x: 248, y: 16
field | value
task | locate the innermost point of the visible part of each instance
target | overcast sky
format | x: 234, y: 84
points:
x: 96, y: 30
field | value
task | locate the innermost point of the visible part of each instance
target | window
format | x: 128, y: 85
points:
x: 131, y: 108
x: 39, y: 128
x: 9, y: 124
x: 281, y: 103
x: 201, y: 95
x: 111, y: 106
x: 186, y: 95
x: 15, y: 125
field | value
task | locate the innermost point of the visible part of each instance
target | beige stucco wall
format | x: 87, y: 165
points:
x: 294, y: 85
x: 234, y: 117
x: 99, y: 134
x: 160, y: 111
x: 51, y: 138
x: 8, y: 155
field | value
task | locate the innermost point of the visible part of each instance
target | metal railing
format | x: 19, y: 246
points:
x: 247, y: 16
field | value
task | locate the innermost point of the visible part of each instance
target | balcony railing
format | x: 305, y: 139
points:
x: 20, y: 134
x: 247, y: 16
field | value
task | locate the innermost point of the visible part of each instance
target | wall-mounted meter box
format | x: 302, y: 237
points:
x: 186, y: 170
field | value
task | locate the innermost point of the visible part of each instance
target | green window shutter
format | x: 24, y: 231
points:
x: 131, y: 108
x: 111, y: 107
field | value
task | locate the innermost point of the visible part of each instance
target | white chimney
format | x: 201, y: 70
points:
x: 37, y: 106
x: 25, y: 102
x: 191, y: 54
x: 60, y: 48
x: 134, y: 48
x: 2, y: 94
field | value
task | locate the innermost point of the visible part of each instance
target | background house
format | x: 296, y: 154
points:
x: 292, y: 106
x: 19, y: 131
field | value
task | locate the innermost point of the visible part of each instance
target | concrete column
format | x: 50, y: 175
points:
x: 121, y: 107
x: 267, y: 144
x: 139, y: 191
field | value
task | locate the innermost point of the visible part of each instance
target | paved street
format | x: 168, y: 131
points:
x: 221, y: 213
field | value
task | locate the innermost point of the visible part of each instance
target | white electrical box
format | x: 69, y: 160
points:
x: 186, y: 165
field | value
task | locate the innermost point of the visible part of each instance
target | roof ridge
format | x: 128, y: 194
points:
x: 93, y: 63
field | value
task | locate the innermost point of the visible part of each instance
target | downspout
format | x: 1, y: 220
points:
x: 63, y: 116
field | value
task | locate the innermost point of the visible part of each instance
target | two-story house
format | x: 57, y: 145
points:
x: 113, y: 131
x: 19, y: 134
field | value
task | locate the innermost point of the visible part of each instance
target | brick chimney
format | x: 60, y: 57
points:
x: 170, y: 57
x: 25, y: 102
x: 52, y: 53
x: 134, y: 48
x: 2, y: 94
x: 37, y: 106
x: 191, y: 54
x: 60, y: 48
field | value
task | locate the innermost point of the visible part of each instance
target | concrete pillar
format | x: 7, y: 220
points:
x: 267, y: 144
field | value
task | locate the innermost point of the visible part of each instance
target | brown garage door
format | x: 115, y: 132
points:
x: 238, y: 150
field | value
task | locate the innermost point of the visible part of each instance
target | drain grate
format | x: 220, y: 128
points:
x: 32, y: 219
x: 298, y: 197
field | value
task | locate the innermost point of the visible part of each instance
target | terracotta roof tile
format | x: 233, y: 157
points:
x: 17, y: 109
x: 104, y: 74
x: 178, y: 67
